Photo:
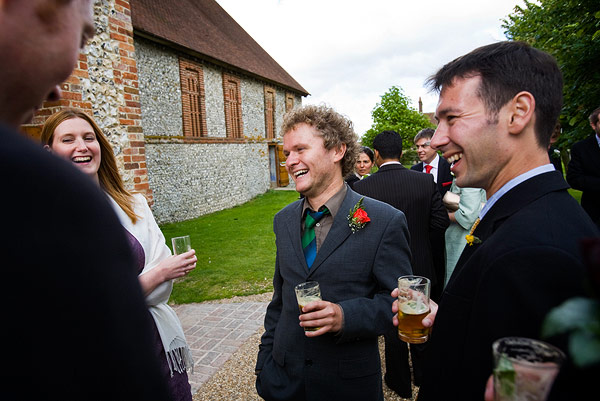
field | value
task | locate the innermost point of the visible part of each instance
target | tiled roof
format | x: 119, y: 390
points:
x: 204, y: 27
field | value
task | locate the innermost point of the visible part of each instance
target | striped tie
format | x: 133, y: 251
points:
x: 309, y: 240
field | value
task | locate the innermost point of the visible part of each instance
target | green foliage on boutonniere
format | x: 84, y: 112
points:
x: 471, y: 239
x: 358, y: 217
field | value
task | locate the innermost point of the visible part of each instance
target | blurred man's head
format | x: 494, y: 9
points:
x: 40, y: 41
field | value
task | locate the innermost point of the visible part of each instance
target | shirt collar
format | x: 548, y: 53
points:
x: 333, y: 204
x: 386, y: 163
x: 513, y: 183
x: 598, y: 139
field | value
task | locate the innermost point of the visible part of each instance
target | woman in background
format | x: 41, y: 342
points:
x: 75, y: 136
x: 366, y: 159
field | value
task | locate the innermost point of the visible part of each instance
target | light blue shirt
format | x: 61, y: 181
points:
x: 513, y: 183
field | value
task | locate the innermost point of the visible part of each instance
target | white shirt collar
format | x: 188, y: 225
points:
x: 513, y: 183
x: 386, y: 163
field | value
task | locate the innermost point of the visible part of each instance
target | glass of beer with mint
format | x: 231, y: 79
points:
x: 413, y: 306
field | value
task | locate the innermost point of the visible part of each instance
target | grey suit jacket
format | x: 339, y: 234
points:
x: 355, y: 270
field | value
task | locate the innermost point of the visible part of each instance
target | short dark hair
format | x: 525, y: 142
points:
x: 424, y: 133
x: 507, y: 68
x: 388, y: 144
x: 367, y: 150
x: 594, y: 116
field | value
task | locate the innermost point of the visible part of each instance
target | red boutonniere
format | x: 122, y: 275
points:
x: 358, y: 217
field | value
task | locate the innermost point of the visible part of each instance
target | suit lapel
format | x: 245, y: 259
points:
x: 339, y: 232
x: 509, y: 204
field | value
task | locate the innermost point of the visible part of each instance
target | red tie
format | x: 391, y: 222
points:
x: 428, y: 168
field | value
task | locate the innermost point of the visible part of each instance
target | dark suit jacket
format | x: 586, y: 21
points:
x: 74, y: 304
x: 414, y: 194
x: 444, y: 177
x: 355, y: 270
x: 528, y: 262
x: 583, y: 173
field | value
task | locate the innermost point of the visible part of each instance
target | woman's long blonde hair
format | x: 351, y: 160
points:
x: 108, y: 173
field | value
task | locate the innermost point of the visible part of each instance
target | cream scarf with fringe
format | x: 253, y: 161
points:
x: 147, y: 232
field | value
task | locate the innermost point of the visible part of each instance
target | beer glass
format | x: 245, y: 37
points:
x: 305, y: 293
x: 413, y: 306
x: 524, y: 369
x: 181, y: 244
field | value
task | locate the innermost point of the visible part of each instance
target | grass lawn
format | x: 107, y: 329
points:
x: 235, y: 249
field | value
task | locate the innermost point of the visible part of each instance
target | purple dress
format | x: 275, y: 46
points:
x: 179, y: 386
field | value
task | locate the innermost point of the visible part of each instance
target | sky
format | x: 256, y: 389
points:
x: 348, y: 53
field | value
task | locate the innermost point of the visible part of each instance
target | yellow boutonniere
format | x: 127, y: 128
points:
x: 471, y: 239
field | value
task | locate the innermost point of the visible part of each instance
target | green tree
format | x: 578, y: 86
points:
x: 394, y: 113
x: 570, y: 31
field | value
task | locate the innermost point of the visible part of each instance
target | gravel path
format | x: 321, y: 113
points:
x: 235, y: 380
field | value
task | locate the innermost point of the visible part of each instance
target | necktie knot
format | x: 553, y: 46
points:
x: 312, y: 218
x: 428, y: 168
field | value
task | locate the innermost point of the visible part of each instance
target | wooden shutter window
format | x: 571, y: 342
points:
x: 193, y: 99
x: 233, y: 106
x: 270, y: 112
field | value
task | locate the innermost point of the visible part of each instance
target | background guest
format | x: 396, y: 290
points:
x: 416, y: 195
x: 431, y: 162
x: 75, y: 136
x: 462, y: 217
x: 365, y: 162
x: 583, y: 171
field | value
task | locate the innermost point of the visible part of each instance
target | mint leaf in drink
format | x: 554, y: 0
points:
x: 505, y: 375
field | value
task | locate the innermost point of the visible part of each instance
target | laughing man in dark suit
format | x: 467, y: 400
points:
x: 361, y: 250
x: 497, y: 110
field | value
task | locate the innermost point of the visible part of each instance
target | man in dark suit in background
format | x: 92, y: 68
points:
x: 74, y: 306
x: 416, y: 195
x: 583, y: 172
x: 361, y: 249
x: 497, y: 109
x: 431, y: 162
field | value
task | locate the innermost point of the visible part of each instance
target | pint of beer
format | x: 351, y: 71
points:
x: 305, y: 293
x: 413, y: 306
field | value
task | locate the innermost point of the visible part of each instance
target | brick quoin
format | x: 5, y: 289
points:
x: 125, y: 73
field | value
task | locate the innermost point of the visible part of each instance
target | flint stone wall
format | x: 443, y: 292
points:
x: 192, y: 179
